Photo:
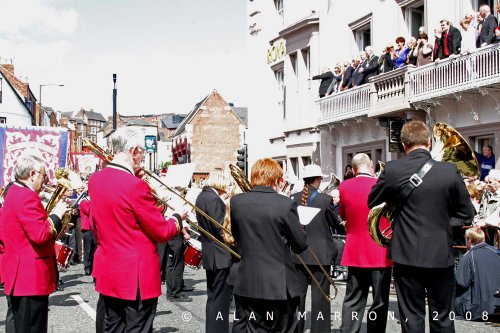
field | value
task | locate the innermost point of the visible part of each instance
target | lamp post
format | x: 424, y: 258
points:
x: 114, y: 102
x: 40, y: 95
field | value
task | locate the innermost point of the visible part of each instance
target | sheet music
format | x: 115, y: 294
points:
x: 306, y: 214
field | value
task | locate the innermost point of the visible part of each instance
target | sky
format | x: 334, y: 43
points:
x: 167, y: 54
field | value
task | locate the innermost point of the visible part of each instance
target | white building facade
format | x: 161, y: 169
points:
x: 463, y: 92
x: 13, y: 110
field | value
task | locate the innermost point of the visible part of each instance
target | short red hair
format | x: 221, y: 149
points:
x: 265, y: 172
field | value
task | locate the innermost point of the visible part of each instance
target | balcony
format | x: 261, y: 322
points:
x: 389, y: 92
x: 350, y: 103
x: 478, y: 69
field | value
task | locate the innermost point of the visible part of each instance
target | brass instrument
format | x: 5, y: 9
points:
x: 106, y: 157
x: 66, y: 180
x: 447, y: 146
x: 245, y: 186
x: 334, y: 183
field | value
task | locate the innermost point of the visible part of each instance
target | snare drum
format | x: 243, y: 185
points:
x: 192, y: 255
x: 63, y: 254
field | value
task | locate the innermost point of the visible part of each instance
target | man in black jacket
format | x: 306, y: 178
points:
x: 420, y: 246
x: 326, y: 79
x: 451, y: 40
x: 490, y: 23
x: 266, y: 226
x: 216, y: 261
x: 370, y: 67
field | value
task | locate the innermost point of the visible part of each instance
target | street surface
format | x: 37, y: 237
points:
x: 73, y: 310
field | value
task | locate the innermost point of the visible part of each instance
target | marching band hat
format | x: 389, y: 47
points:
x: 312, y: 170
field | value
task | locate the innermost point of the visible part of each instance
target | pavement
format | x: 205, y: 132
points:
x: 73, y: 310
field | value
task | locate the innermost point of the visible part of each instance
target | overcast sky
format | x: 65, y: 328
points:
x: 168, y: 54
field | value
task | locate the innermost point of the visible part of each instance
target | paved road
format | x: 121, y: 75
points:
x: 73, y: 310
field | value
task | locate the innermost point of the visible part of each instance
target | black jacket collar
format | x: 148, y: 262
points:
x: 265, y: 189
x: 420, y: 152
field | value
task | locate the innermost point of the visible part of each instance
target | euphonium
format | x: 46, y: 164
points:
x: 447, y: 146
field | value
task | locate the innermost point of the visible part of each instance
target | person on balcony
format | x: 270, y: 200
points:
x: 357, y: 76
x: 347, y: 75
x: 400, y: 55
x: 336, y: 82
x: 487, y: 35
x: 468, y: 36
x: 370, y: 68
x: 413, y: 54
x: 450, y: 42
x: 385, y: 61
x: 424, y: 50
x: 326, y: 78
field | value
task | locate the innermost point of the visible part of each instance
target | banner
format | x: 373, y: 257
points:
x: 50, y: 144
x: 85, y: 162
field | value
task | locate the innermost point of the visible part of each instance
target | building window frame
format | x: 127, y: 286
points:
x: 409, y: 8
x: 359, y: 28
x: 279, y: 75
x: 278, y: 4
x: 3, y: 120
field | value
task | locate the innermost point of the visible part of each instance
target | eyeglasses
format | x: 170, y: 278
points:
x: 45, y: 177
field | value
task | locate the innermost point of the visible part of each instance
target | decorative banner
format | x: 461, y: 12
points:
x: 49, y: 144
x: 86, y: 162
x: 150, y: 143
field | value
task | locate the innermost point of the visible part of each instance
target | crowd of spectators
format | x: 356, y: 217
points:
x: 474, y: 31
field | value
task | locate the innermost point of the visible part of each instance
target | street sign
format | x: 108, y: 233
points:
x: 150, y: 143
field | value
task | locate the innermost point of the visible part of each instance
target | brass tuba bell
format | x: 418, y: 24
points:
x: 447, y: 146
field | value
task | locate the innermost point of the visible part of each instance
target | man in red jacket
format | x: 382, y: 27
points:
x: 29, y: 249
x: 128, y: 226
x: 89, y: 243
x: 367, y: 262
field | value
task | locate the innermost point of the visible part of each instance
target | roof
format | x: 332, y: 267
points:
x: 172, y: 121
x: 190, y: 116
x: 140, y: 122
x: 48, y: 110
x: 14, y: 82
x: 95, y: 116
x: 242, y: 113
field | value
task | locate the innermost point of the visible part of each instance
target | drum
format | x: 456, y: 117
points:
x: 192, y: 255
x: 63, y: 254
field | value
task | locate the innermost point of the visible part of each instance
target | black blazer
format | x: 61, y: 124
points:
x: 326, y: 79
x: 370, y: 68
x: 213, y: 256
x: 320, y: 230
x: 422, y: 232
x: 266, y: 226
x: 454, y: 42
x: 487, y: 34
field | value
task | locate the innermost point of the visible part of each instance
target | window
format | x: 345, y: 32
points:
x: 306, y: 55
x: 279, y: 74
x: 294, y: 161
x: 362, y: 31
x: 3, y: 120
x: 279, y: 8
x: 306, y: 160
x: 414, y: 14
x: 478, y: 3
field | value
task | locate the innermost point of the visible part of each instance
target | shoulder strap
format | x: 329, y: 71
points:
x: 413, y: 182
x: 311, y: 198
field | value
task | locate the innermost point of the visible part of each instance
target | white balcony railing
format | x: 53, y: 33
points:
x: 346, y: 104
x: 477, y: 69
x: 389, y: 91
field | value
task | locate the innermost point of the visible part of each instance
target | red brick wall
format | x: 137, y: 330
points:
x: 216, y: 135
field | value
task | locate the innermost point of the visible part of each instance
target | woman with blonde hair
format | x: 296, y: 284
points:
x: 266, y: 226
x: 215, y: 260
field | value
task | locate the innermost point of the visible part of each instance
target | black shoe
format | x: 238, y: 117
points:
x: 179, y: 298
x: 187, y: 289
x: 87, y: 271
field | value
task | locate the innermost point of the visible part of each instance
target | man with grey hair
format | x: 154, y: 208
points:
x: 29, y: 249
x: 370, y: 67
x: 367, y: 262
x: 490, y: 23
x: 128, y: 228
x: 489, y: 212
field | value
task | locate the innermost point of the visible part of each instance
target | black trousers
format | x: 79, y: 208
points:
x: 320, y: 307
x: 89, y: 247
x: 359, y: 281
x: 163, y: 253
x: 129, y: 316
x: 10, y: 324
x: 412, y: 285
x: 100, y: 315
x: 239, y: 323
x: 31, y: 313
x: 175, y: 265
x: 219, y: 296
x: 262, y: 316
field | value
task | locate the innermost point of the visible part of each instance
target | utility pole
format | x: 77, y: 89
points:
x: 114, y: 102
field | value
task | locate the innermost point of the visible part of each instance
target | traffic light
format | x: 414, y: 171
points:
x: 242, y: 159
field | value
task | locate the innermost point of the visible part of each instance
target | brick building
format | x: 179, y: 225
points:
x: 210, y: 135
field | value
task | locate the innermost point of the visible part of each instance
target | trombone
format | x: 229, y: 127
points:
x: 106, y: 157
x: 245, y: 186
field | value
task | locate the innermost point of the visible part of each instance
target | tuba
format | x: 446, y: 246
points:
x: 447, y: 146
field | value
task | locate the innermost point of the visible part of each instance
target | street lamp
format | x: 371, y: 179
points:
x: 40, y: 95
